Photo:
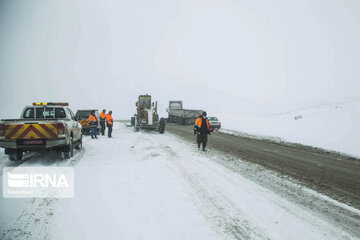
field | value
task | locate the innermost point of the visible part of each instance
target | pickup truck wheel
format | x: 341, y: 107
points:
x: 79, y: 145
x: 69, y: 150
x: 16, y: 157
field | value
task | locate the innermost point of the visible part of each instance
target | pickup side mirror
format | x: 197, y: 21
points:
x: 75, y: 118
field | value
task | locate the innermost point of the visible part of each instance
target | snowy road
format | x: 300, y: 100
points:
x: 150, y: 186
x: 333, y: 174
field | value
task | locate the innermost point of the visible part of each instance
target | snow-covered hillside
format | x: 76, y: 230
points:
x: 334, y: 127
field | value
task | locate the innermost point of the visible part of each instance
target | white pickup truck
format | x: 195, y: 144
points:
x: 42, y: 127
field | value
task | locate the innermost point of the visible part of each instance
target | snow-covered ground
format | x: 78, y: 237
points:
x: 334, y: 127
x: 149, y: 186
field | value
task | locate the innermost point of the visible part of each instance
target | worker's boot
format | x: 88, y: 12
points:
x: 203, y: 148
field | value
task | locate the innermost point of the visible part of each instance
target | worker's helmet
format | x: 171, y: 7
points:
x: 204, y: 113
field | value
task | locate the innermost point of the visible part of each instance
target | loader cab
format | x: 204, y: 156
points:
x: 144, y: 102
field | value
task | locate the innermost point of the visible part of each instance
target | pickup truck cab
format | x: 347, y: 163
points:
x: 41, y: 127
x: 82, y: 116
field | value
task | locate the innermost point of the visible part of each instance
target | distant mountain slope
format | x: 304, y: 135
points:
x: 334, y: 127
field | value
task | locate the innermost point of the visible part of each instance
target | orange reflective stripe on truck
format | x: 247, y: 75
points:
x: 31, y: 131
x: 84, y: 123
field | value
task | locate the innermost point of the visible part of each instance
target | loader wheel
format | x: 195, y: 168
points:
x: 16, y: 157
x: 137, y: 125
x: 162, y: 126
x: 69, y: 150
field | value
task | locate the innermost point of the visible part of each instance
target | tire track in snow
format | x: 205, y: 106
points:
x: 222, y: 195
x: 33, y: 222
x: 218, y: 210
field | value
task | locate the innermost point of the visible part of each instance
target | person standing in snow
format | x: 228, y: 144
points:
x: 109, y: 123
x: 102, y: 121
x: 93, y: 124
x: 202, y: 129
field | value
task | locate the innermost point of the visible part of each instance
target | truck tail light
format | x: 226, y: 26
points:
x: 61, y: 129
x: 2, y: 130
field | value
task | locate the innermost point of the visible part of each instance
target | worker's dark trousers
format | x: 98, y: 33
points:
x: 109, y: 130
x: 202, y: 138
x: 93, y: 132
x: 102, y: 124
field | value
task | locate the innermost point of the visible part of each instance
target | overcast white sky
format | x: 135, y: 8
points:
x: 224, y: 56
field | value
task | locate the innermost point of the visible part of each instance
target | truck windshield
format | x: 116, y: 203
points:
x: 175, y: 105
x: 44, y: 112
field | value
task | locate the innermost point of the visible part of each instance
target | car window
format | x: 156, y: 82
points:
x: 60, y: 113
x: 29, y: 113
x: 40, y: 112
x: 213, y: 119
x: 49, y: 112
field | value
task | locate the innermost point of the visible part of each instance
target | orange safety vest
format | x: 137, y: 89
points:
x: 109, y: 119
x: 198, y: 122
x: 92, y: 118
x: 102, y: 116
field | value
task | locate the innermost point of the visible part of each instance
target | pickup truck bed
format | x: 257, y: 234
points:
x: 32, y: 134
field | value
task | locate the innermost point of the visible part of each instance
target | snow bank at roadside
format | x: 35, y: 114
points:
x: 334, y: 127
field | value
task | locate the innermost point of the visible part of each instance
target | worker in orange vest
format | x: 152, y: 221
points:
x: 109, y: 123
x: 93, y: 124
x: 102, y: 121
x: 202, y: 129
